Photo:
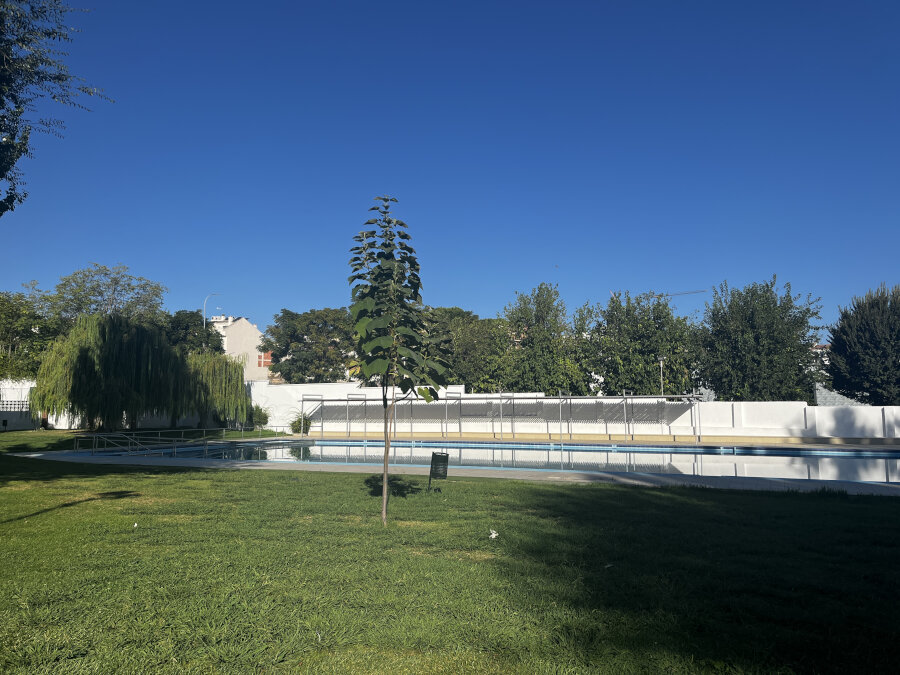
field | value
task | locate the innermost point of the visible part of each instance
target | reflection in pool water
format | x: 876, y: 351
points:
x: 746, y: 461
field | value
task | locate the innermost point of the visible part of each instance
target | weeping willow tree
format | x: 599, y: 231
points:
x: 108, y: 370
x: 217, y: 386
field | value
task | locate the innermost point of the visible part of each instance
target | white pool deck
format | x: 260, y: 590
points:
x: 636, y: 479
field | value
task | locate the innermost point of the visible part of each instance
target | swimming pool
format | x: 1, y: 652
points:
x: 881, y: 465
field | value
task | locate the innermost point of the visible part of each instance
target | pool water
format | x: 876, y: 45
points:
x: 731, y: 460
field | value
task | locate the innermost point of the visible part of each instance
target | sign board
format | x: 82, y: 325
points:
x: 439, y: 463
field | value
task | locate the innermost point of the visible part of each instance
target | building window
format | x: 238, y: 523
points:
x: 264, y: 360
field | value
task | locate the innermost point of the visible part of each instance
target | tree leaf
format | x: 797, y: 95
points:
x: 379, y: 343
x: 375, y: 367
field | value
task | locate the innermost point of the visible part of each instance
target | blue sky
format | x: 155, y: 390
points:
x: 597, y: 145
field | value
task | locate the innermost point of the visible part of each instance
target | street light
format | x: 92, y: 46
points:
x: 661, y: 360
x: 204, y: 309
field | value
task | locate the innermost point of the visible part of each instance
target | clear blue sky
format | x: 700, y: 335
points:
x: 599, y: 145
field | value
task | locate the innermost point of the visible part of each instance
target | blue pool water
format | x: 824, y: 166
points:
x: 529, y: 455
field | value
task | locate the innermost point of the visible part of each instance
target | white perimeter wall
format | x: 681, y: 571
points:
x: 284, y: 401
x: 790, y: 419
x: 714, y: 418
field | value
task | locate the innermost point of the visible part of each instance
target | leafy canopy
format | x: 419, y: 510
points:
x: 757, y: 344
x: 314, y: 346
x: 630, y: 336
x: 387, y: 312
x: 544, y: 355
x: 185, y: 330
x: 864, y: 359
x: 31, y: 70
x: 99, y: 289
x: 109, y: 369
x: 479, y: 354
x: 24, y: 335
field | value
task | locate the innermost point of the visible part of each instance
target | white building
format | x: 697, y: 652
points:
x: 241, y: 339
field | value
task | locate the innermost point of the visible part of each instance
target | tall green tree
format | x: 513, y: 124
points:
x: 109, y: 370
x: 185, y: 330
x: 630, y: 336
x: 314, y: 346
x: 480, y: 355
x: 99, y: 289
x: 439, y: 322
x: 864, y: 359
x: 544, y: 357
x: 756, y: 343
x: 24, y: 336
x: 392, y: 344
x: 31, y: 70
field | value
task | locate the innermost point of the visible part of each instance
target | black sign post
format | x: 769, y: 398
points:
x: 439, y: 463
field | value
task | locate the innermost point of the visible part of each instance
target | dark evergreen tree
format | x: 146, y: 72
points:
x: 864, y: 359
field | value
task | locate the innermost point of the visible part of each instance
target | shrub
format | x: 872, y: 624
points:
x: 259, y: 416
x: 300, y: 424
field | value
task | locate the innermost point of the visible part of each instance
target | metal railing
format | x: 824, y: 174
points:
x: 166, y: 441
x: 504, y: 415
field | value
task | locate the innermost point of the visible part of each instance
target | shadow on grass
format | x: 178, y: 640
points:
x: 36, y: 441
x: 400, y: 487
x: 725, y: 580
x: 14, y: 469
x: 116, y: 494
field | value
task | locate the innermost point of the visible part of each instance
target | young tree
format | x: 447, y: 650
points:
x: 31, y: 70
x: 313, y: 346
x: 864, y: 359
x: 391, y: 340
x: 628, y: 340
x: 756, y: 345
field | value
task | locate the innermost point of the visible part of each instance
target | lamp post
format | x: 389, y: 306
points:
x: 204, y: 309
x: 661, y: 360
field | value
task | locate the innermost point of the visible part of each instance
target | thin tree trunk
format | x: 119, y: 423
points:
x: 387, y: 452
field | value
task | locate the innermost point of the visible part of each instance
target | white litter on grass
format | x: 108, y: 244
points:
x: 135, y: 525
x: 494, y: 534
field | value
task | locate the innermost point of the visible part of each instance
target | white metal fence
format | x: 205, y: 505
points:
x: 503, y: 416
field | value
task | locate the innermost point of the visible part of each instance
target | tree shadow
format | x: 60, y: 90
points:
x: 115, y: 494
x: 725, y: 580
x: 399, y: 487
x: 38, y: 441
x: 13, y: 469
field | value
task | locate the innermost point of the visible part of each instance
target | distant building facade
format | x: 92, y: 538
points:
x: 241, y: 339
x: 826, y: 397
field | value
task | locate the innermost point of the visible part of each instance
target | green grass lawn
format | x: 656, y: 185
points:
x: 43, y: 440
x: 268, y: 571
x: 36, y: 441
